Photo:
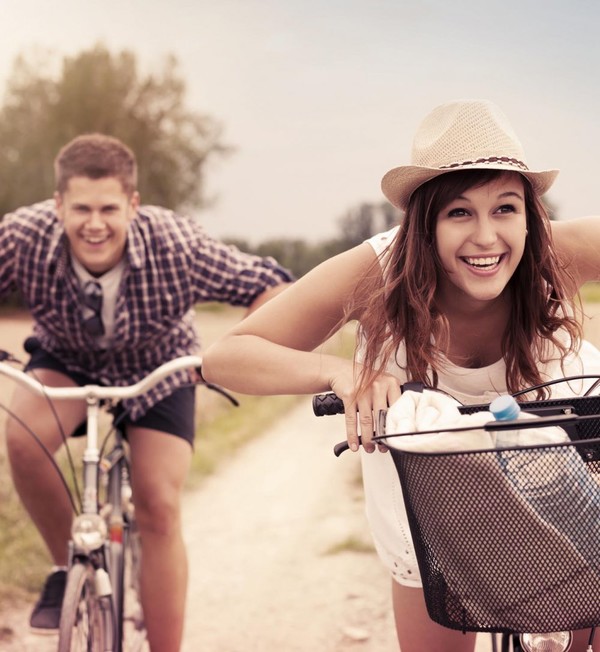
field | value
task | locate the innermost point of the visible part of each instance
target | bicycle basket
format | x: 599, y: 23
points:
x: 507, y: 540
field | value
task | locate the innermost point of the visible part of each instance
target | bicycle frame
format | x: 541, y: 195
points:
x: 99, y: 537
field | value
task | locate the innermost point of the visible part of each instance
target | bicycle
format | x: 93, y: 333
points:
x: 511, y: 582
x: 101, y: 610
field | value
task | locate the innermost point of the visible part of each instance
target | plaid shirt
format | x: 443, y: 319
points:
x: 172, y: 264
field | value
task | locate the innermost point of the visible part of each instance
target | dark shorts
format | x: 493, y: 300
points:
x: 175, y: 414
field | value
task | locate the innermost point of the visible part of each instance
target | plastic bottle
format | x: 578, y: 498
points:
x: 506, y: 408
x: 553, y: 479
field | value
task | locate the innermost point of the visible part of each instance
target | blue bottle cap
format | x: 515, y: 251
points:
x: 505, y: 408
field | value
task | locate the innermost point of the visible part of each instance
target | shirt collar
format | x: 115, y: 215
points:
x: 58, y: 251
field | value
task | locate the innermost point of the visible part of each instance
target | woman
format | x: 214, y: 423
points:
x: 467, y: 294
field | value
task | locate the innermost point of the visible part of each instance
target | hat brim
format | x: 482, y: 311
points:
x: 399, y: 183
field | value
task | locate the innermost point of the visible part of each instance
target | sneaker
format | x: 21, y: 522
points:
x: 45, y: 617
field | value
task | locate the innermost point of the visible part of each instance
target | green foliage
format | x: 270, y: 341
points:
x: 365, y: 220
x: 46, y: 105
x: 296, y: 255
x: 590, y: 292
x: 351, y: 543
x: 355, y: 227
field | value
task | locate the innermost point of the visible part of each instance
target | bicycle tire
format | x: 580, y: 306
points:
x: 117, y: 573
x: 82, y: 619
x: 124, y: 555
x: 134, y: 629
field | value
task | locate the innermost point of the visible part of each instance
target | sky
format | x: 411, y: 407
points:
x: 319, y: 98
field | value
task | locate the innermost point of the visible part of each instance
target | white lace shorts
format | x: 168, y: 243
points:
x: 387, y: 518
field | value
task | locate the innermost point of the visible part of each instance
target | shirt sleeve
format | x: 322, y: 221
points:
x: 26, y: 238
x: 224, y: 273
x: 7, y: 248
x: 382, y: 241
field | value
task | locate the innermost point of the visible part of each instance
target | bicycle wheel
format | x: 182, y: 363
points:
x: 134, y: 629
x: 84, y: 614
x: 124, y: 557
x: 511, y: 643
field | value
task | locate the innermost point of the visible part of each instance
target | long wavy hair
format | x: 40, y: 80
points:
x: 404, y: 308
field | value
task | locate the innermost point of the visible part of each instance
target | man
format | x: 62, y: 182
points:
x: 110, y: 286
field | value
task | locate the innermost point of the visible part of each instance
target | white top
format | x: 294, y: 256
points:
x: 383, y: 495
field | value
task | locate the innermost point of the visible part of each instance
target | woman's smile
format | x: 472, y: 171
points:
x: 483, y: 264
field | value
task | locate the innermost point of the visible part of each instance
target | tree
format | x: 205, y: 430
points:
x: 96, y: 91
x: 358, y: 224
x: 365, y: 220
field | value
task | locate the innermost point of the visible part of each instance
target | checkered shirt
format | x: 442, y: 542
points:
x: 172, y: 264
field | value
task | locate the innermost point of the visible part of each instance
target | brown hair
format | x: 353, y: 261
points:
x: 403, y: 307
x: 96, y: 156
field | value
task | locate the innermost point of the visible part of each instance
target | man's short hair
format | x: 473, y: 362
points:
x: 96, y: 156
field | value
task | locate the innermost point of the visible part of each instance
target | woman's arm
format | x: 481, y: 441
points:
x: 274, y: 350
x: 578, y: 243
x: 265, y: 296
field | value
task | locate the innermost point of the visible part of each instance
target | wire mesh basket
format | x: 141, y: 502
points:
x: 507, y: 540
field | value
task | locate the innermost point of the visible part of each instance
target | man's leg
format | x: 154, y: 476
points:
x: 159, y: 466
x: 42, y: 492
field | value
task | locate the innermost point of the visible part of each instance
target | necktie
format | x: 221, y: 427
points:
x: 91, y: 298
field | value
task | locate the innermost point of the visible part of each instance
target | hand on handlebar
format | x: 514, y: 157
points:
x: 361, y: 409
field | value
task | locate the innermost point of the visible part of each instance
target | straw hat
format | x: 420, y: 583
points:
x: 461, y: 135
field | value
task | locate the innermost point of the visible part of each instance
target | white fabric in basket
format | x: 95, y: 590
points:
x: 430, y: 410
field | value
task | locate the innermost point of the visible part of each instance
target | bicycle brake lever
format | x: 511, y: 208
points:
x: 5, y: 356
x: 224, y: 393
x: 338, y: 449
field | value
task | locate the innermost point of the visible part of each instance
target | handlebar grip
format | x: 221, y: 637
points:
x: 328, y: 404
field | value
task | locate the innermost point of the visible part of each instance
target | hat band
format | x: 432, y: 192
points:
x: 492, y: 159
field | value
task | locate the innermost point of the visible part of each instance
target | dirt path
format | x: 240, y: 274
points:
x: 261, y: 536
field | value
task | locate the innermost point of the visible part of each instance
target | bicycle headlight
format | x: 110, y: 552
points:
x: 88, y: 532
x: 553, y: 642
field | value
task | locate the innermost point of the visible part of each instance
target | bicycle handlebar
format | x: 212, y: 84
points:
x: 329, y: 404
x: 561, y: 420
x: 99, y: 392
x: 579, y: 416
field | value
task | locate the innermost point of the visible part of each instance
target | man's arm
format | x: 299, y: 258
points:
x: 221, y: 272
x: 577, y: 242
